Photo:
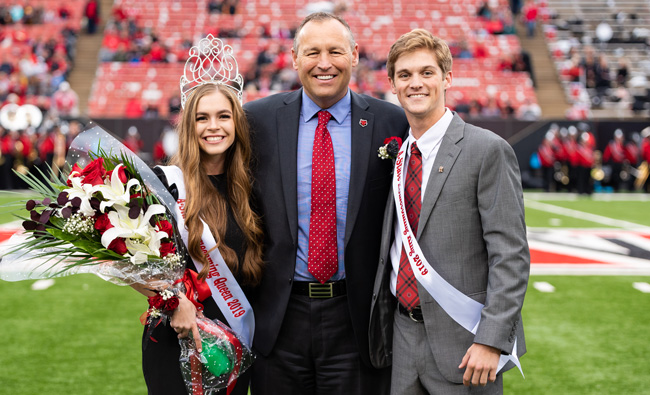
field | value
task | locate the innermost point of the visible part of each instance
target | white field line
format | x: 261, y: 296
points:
x: 543, y: 286
x: 643, y: 287
x: 603, y: 197
x: 582, y: 215
x: 568, y: 269
x: 41, y: 285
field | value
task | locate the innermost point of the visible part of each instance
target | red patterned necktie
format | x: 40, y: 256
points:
x: 407, y: 289
x: 322, y: 260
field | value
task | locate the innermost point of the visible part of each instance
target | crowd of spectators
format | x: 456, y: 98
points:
x: 602, y: 60
x: 37, y: 52
x: 496, y: 19
x: 128, y: 39
x: 25, y: 13
x: 34, y: 148
x: 33, y: 68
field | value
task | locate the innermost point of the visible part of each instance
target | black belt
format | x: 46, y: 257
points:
x: 318, y: 290
x: 415, y: 314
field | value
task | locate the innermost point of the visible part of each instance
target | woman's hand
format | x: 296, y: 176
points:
x: 184, y: 320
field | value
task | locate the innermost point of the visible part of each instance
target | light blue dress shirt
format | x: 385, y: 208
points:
x: 340, y: 128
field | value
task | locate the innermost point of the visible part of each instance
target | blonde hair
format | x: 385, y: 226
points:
x: 206, y: 203
x: 415, y: 40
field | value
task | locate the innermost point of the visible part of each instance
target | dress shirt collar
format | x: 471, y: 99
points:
x: 339, y: 110
x: 433, y: 136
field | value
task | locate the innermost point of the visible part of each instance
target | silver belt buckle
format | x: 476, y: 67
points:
x: 412, y: 317
x: 321, y: 291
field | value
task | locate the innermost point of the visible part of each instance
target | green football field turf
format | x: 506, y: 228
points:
x: 82, y: 335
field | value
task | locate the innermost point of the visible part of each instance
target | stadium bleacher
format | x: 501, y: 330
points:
x: 263, y: 24
x: 617, y: 31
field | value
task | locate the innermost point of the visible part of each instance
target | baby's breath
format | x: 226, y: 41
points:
x: 166, y: 294
x: 172, y: 260
x: 79, y: 224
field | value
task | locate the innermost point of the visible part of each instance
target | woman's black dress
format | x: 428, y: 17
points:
x: 160, y: 354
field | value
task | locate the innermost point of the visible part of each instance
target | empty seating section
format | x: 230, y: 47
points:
x: 259, y: 24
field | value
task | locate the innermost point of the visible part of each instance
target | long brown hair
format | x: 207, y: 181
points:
x: 205, y: 203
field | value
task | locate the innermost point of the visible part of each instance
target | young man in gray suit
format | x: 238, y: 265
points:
x: 454, y: 260
x: 322, y: 220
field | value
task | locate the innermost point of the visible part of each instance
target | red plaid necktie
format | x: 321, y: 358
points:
x: 407, y: 289
x: 323, y: 255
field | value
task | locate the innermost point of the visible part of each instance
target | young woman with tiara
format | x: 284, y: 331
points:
x: 209, y: 177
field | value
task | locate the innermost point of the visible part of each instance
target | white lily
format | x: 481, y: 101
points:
x: 141, y: 249
x: 139, y: 252
x: 116, y: 192
x: 84, y: 192
x: 138, y: 228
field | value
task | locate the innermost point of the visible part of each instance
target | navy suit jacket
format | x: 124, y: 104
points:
x: 274, y: 122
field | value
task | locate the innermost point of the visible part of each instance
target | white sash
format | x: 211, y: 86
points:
x: 461, y: 308
x: 226, y: 291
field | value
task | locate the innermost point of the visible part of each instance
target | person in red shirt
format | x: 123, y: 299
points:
x: 547, y: 160
x: 614, y: 156
x: 134, y: 107
x: 133, y: 141
x: 585, y: 154
x: 92, y: 15
x: 530, y: 12
x: 572, y: 157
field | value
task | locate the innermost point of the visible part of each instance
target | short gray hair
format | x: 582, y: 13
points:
x: 322, y: 17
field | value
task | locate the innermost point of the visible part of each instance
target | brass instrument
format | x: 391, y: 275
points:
x: 641, y: 175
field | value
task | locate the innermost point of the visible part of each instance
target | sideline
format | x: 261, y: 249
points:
x: 602, y: 197
x: 528, y: 202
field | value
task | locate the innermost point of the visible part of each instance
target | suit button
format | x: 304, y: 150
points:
x: 374, y: 296
x: 290, y: 280
x: 381, y: 260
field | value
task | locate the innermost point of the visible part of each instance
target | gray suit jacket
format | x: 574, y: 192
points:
x: 472, y: 232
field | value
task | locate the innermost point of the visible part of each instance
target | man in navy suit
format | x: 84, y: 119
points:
x: 312, y: 310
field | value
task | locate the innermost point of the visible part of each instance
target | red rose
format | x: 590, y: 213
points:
x: 75, y: 172
x: 156, y: 302
x: 118, y: 245
x: 167, y: 248
x: 135, y: 196
x: 165, y: 226
x: 102, y: 223
x: 94, y: 172
x: 172, y: 304
x: 122, y: 174
x: 399, y: 140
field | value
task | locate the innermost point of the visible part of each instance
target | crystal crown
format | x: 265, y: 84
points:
x: 211, y: 62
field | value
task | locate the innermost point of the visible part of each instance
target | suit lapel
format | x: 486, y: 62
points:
x: 361, y: 146
x: 287, y: 129
x: 445, y: 159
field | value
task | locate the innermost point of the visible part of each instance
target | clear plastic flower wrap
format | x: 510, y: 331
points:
x: 222, y: 359
x: 110, y: 215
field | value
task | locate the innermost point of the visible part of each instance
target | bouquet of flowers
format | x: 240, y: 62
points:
x: 109, y: 215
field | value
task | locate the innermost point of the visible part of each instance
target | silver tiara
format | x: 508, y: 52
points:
x: 211, y: 62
